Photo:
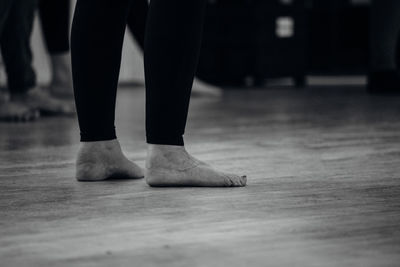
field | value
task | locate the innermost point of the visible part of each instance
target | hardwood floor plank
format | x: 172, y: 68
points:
x: 323, y: 168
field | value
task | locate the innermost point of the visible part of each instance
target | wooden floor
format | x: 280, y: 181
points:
x: 323, y: 168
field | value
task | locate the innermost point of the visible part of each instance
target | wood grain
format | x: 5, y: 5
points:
x: 323, y: 167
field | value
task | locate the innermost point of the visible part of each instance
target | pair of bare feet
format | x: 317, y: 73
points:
x: 165, y: 166
x: 54, y: 100
x: 30, y: 105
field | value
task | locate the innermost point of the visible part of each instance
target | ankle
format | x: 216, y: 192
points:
x: 61, y: 68
x: 164, y: 149
x: 100, y: 146
x: 165, y: 156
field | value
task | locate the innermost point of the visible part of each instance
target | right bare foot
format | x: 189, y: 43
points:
x: 98, y: 161
x: 17, y: 112
x: 173, y: 166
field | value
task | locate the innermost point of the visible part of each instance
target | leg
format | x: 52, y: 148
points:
x: 5, y: 7
x: 384, y: 75
x: 96, y: 45
x: 385, y: 17
x: 15, y: 46
x: 55, y: 17
x: 11, y: 111
x: 137, y: 20
x: 172, y: 46
x: 137, y: 24
x: 26, y: 100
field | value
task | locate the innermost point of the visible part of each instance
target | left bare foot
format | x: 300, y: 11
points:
x: 174, y: 166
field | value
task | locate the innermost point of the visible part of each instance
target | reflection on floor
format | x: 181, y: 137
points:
x: 323, y: 167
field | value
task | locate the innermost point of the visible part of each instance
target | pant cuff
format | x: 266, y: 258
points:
x: 165, y: 140
x: 98, y: 136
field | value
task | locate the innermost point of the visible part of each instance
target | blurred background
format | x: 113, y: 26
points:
x: 249, y: 42
x: 132, y: 64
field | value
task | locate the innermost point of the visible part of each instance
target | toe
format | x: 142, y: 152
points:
x: 239, y: 181
x: 229, y: 182
x: 243, y: 180
x: 236, y: 180
x: 232, y: 180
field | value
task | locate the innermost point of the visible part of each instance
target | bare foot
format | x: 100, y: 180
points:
x: 173, y: 166
x: 40, y: 99
x: 98, y: 161
x: 17, y: 112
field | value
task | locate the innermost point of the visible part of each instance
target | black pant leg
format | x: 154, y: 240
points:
x: 398, y: 51
x: 172, y: 47
x: 96, y: 44
x: 385, y: 26
x: 55, y: 18
x: 15, y: 46
x: 137, y: 20
x: 5, y: 7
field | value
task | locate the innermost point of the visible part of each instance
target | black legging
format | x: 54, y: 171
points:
x: 55, y: 18
x: 384, y: 37
x: 171, y: 50
x: 16, y: 21
x: 137, y: 20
